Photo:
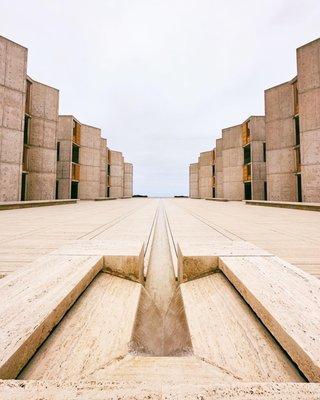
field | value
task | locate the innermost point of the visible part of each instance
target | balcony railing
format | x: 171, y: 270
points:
x: 247, y: 172
x: 75, y: 172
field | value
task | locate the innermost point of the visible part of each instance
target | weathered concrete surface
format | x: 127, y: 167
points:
x: 158, y: 389
x: 96, y: 332
x: 11, y: 205
x: 287, y: 300
x: 283, y: 204
x: 227, y: 334
x: 194, y: 180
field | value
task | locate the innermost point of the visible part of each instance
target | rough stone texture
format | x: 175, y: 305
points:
x: 158, y: 388
x: 219, y: 169
x: 287, y: 300
x: 232, y: 161
x: 13, y: 69
x: 97, y: 332
x: 279, y: 111
x: 194, y: 181
x: 308, y: 63
x: 116, y: 174
x: 90, y: 144
x: 128, y: 180
x: 242, y: 348
x: 42, y: 151
x: 205, y: 163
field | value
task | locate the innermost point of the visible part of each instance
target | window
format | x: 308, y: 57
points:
x: 247, y: 154
x: 264, y: 152
x: 297, y: 129
x: 26, y: 129
x: 75, y: 154
x: 58, y: 151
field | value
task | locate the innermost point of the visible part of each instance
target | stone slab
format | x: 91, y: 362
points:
x: 105, y: 198
x: 122, y: 258
x: 227, y: 334
x: 10, y: 205
x: 197, y: 259
x: 34, y: 301
x: 284, y: 204
x: 96, y: 332
x: 287, y: 300
x: 216, y: 199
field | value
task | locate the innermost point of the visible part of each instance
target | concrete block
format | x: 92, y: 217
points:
x: 10, y: 182
x: 308, y: 61
x: 11, y: 146
x: 309, y: 110
x: 287, y: 300
x: 13, y: 109
x: 16, y: 66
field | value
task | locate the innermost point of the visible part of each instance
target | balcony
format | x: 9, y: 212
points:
x: 76, y: 133
x: 246, y: 136
x: 247, y: 173
x: 75, y: 172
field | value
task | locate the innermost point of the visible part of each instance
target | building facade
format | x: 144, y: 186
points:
x: 44, y: 156
x: 194, y: 181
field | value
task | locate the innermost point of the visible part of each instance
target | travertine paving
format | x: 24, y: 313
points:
x: 158, y: 298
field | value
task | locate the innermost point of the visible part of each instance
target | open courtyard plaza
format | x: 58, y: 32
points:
x: 159, y: 298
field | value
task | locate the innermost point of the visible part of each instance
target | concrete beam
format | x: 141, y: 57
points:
x: 285, y: 204
x: 10, y: 205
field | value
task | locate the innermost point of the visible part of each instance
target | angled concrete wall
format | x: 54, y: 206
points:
x: 90, y: 149
x: 13, y: 69
x: 232, y: 161
x: 116, y: 174
x: 42, y: 152
x: 308, y: 60
x: 128, y: 180
x: 205, y: 162
x: 194, y: 181
x: 64, y: 138
x: 219, y: 169
x: 103, y: 167
x: 258, y: 165
x: 279, y: 111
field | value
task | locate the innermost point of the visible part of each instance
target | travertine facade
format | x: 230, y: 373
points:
x: 194, y: 180
x: 13, y: 70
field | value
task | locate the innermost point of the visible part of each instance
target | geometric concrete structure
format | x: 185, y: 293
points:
x: 13, y: 69
x: 40, y: 138
x: 158, y: 298
x: 308, y: 66
x: 128, y: 180
x: 194, y: 181
x: 116, y: 180
x: 219, y: 169
x: 206, y: 169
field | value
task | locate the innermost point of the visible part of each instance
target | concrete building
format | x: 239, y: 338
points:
x: 39, y: 145
x: 103, y: 167
x: 206, y: 163
x: 194, y: 181
x: 116, y: 180
x: 308, y: 93
x: 128, y: 180
x: 13, y: 74
x: 219, y: 168
x: 232, y: 163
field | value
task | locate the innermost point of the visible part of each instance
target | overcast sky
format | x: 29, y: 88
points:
x: 161, y: 78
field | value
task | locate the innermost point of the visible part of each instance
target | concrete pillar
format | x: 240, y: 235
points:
x: 13, y: 67
x: 128, y: 180
x: 116, y: 174
x: 205, y: 162
x: 279, y: 111
x: 194, y: 181
x: 103, y: 167
x: 308, y: 60
x: 219, y: 169
x: 42, y: 151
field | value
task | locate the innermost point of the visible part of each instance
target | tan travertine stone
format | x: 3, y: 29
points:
x: 32, y: 307
x: 159, y: 389
x: 287, y: 300
x: 96, y: 332
x: 226, y: 333
x: 123, y: 258
x: 199, y: 259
